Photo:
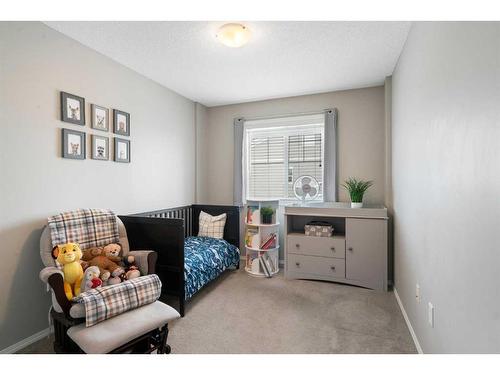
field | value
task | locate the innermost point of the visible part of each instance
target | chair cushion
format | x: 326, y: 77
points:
x: 115, y: 332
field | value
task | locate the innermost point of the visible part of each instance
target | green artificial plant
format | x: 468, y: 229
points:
x: 267, y: 214
x: 356, y: 188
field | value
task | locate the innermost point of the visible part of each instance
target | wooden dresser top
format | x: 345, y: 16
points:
x: 336, y: 209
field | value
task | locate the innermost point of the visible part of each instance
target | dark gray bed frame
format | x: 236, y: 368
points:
x: 164, y: 231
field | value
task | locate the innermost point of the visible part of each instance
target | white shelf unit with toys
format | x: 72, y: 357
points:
x: 262, y: 239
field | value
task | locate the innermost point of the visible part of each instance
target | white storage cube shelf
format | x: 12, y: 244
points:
x: 261, y: 262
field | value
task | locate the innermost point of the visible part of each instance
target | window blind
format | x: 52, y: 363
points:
x: 305, y: 157
x: 278, y: 151
x: 267, y: 167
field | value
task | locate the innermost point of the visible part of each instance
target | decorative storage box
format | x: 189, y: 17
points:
x: 318, y: 229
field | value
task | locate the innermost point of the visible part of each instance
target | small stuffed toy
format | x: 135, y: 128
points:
x: 131, y: 269
x: 69, y: 255
x: 91, y: 279
x: 107, y: 259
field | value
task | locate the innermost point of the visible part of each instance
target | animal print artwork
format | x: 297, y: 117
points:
x: 74, y: 110
x: 75, y: 149
x: 121, y: 124
x: 100, y: 151
x: 100, y: 121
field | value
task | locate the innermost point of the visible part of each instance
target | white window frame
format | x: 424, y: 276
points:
x: 285, y: 126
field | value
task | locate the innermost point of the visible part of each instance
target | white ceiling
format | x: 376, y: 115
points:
x: 282, y: 58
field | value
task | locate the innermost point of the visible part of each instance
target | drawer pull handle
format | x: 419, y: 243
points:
x: 332, y: 248
x: 332, y: 268
x: 350, y: 249
x: 297, y: 264
x: 297, y: 245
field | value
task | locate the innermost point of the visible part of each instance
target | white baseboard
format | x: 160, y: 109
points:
x: 25, y: 342
x: 408, y: 323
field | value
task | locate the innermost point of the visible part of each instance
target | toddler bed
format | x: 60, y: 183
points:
x: 205, y: 258
x: 186, y: 262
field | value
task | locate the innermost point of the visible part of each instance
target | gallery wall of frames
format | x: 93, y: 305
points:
x: 74, y: 142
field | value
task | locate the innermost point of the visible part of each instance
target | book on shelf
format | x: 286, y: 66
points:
x: 265, y: 266
x: 269, y: 242
x: 270, y: 263
x: 252, y: 238
x: 253, y: 214
x: 255, y: 268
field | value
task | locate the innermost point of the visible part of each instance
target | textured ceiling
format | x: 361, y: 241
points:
x: 282, y: 58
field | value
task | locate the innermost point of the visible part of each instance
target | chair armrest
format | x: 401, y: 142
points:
x: 145, y: 260
x: 54, y: 277
x: 49, y: 271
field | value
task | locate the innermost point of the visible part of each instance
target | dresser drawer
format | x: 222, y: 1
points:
x: 330, y: 247
x: 318, y: 266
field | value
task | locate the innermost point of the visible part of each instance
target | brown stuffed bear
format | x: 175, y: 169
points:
x: 107, y: 259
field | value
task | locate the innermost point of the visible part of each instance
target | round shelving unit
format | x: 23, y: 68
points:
x: 262, y: 225
x: 261, y: 242
x: 261, y: 250
x: 254, y: 255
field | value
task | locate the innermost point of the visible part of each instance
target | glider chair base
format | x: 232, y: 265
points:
x: 149, y: 342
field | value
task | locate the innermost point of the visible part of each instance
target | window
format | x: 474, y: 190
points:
x: 278, y: 151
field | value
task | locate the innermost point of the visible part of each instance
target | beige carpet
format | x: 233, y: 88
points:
x: 241, y: 314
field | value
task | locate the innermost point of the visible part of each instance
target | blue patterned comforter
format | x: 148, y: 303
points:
x: 205, y: 258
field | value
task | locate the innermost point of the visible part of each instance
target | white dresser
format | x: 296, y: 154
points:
x: 356, y: 253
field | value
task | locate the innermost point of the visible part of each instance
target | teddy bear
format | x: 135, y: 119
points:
x: 107, y: 259
x: 69, y: 255
x: 90, y: 279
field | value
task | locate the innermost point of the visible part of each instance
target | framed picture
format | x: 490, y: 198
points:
x: 100, y: 118
x: 73, y: 144
x: 100, y: 147
x: 72, y: 108
x: 122, y: 150
x: 121, y: 122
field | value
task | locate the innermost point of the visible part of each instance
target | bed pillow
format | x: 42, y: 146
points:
x: 211, y: 226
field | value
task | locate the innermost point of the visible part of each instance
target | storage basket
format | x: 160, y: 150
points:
x: 318, y: 229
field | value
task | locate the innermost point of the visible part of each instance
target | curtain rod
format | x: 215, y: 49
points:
x: 284, y: 115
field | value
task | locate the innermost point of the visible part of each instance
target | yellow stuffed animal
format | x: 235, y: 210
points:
x: 69, y: 255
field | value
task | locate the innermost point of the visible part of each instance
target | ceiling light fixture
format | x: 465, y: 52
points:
x: 233, y: 35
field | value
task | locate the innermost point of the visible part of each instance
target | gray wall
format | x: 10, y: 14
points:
x: 360, y: 130
x: 201, y: 153
x: 37, y: 62
x: 446, y: 183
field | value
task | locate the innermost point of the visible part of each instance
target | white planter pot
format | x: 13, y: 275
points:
x: 356, y: 204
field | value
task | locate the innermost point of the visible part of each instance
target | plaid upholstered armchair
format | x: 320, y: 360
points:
x: 140, y: 325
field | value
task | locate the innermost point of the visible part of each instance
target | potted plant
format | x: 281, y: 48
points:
x: 356, y: 189
x: 267, y: 215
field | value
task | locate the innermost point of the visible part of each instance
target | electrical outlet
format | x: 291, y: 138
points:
x: 417, y: 292
x: 430, y: 313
